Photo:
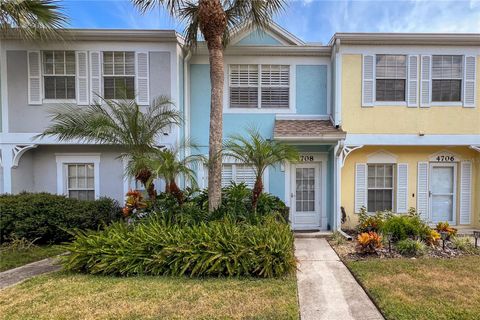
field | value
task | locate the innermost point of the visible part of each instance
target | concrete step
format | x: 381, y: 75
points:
x: 312, y: 234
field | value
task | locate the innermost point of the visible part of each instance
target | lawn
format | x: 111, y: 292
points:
x: 14, y: 258
x: 423, y: 288
x: 68, y: 296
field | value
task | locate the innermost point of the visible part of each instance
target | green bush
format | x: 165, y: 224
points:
x: 46, y: 217
x: 402, y: 227
x: 464, y: 244
x: 155, y: 247
x: 411, y: 247
x: 371, y: 222
x: 236, y: 206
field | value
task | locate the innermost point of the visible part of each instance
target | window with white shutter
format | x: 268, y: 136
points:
x: 59, y: 70
x: 465, y: 192
x: 82, y: 78
x: 360, y: 186
x: 34, y: 78
x: 380, y: 187
x: 238, y: 173
x: 119, y: 74
x: 391, y: 75
x: 368, y: 79
x: 422, y: 189
x: 470, y: 77
x: 95, y: 76
x: 425, y: 75
x: 259, y: 86
x: 447, y: 76
x: 143, y: 94
x: 412, y: 92
x: 402, y: 188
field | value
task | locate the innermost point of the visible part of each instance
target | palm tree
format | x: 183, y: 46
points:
x: 32, y: 18
x: 166, y: 164
x: 215, y: 19
x: 119, y: 123
x: 260, y: 153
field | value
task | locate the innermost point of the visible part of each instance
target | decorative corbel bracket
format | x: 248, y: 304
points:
x: 346, y: 151
x: 18, y: 152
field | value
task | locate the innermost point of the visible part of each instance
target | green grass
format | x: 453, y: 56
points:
x: 74, y: 296
x: 15, y: 258
x: 423, y: 288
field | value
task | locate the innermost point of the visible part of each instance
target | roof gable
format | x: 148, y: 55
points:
x: 273, y: 35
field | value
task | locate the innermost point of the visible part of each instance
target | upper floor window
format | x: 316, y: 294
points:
x: 59, y: 75
x: 391, y: 73
x: 259, y: 86
x: 447, y: 75
x: 119, y: 74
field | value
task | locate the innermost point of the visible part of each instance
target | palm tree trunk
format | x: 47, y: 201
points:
x: 212, y: 24
x: 144, y: 176
x: 257, y: 191
x: 173, y: 189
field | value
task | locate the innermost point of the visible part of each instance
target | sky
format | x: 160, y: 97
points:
x: 310, y: 20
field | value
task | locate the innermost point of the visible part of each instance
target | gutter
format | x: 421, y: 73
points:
x: 322, y: 138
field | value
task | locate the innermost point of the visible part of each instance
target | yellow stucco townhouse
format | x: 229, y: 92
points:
x: 410, y: 106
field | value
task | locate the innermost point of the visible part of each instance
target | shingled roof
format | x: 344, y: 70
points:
x: 321, y: 129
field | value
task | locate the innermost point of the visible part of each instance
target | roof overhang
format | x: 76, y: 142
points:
x: 457, y: 39
x: 110, y: 35
x: 306, y: 50
x: 307, y: 130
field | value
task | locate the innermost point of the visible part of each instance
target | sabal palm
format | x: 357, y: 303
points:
x: 215, y: 19
x: 32, y: 18
x: 167, y: 164
x: 121, y: 123
x: 259, y: 152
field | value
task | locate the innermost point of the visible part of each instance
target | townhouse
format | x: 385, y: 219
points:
x: 382, y: 121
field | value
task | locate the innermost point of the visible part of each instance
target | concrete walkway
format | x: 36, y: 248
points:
x: 326, y: 288
x: 13, y: 276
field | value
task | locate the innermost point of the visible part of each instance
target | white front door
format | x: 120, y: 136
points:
x: 306, y: 199
x: 443, y: 181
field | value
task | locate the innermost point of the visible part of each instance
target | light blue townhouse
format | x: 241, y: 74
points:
x: 282, y: 86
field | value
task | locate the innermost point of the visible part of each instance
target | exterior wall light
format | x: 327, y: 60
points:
x: 443, y: 235
x: 476, y: 235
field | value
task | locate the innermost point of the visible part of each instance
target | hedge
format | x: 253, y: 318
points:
x: 48, y: 218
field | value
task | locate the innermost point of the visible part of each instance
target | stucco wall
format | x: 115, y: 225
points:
x: 411, y: 156
x: 400, y: 119
x: 35, y: 118
x: 37, y: 170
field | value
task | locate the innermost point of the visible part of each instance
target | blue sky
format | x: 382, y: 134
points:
x: 310, y: 20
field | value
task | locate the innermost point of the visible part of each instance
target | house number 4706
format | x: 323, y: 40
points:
x: 445, y: 158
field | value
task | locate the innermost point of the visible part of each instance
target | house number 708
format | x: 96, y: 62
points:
x: 306, y: 158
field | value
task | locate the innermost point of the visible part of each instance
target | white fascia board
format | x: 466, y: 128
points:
x: 302, y: 117
x: 333, y: 138
x: 412, y: 140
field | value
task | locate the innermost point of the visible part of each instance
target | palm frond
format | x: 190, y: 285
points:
x: 33, y: 19
x: 172, y: 6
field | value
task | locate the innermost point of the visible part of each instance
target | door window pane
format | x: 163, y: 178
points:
x: 305, y: 189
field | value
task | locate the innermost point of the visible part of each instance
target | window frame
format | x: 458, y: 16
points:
x: 391, y: 102
x: 63, y: 160
x: 79, y: 189
x: 462, y: 81
x: 259, y: 109
x: 115, y: 76
x: 65, y: 75
x: 393, y: 188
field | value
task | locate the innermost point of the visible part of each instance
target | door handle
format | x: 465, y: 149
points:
x: 292, y: 195
x: 429, y: 194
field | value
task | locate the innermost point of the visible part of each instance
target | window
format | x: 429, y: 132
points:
x: 80, y: 181
x: 391, y: 73
x: 380, y: 187
x: 259, y: 86
x: 119, y: 75
x: 238, y: 173
x: 447, y: 75
x: 59, y: 74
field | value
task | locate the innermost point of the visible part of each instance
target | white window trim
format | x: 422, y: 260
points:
x: 393, y: 188
x: 462, y: 83
x: 63, y: 159
x: 43, y: 75
x: 292, y: 90
x: 390, y: 103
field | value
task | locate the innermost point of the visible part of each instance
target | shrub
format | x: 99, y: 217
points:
x: 401, y: 227
x: 46, y: 218
x: 432, y: 238
x: 411, y: 247
x: 445, y: 227
x: 464, y: 244
x: 370, y: 222
x: 337, y: 238
x: 153, y: 247
x: 369, y: 242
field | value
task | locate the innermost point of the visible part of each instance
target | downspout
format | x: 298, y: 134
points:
x: 338, y: 185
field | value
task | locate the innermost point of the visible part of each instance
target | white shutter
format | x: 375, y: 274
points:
x: 422, y: 189
x: 465, y: 192
x: 368, y: 81
x: 142, y: 79
x: 360, y: 186
x: 82, y: 78
x: 426, y: 79
x: 245, y: 174
x: 402, y: 188
x: 95, y: 76
x: 469, y: 78
x: 227, y: 175
x: 34, y: 78
x: 412, y: 89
